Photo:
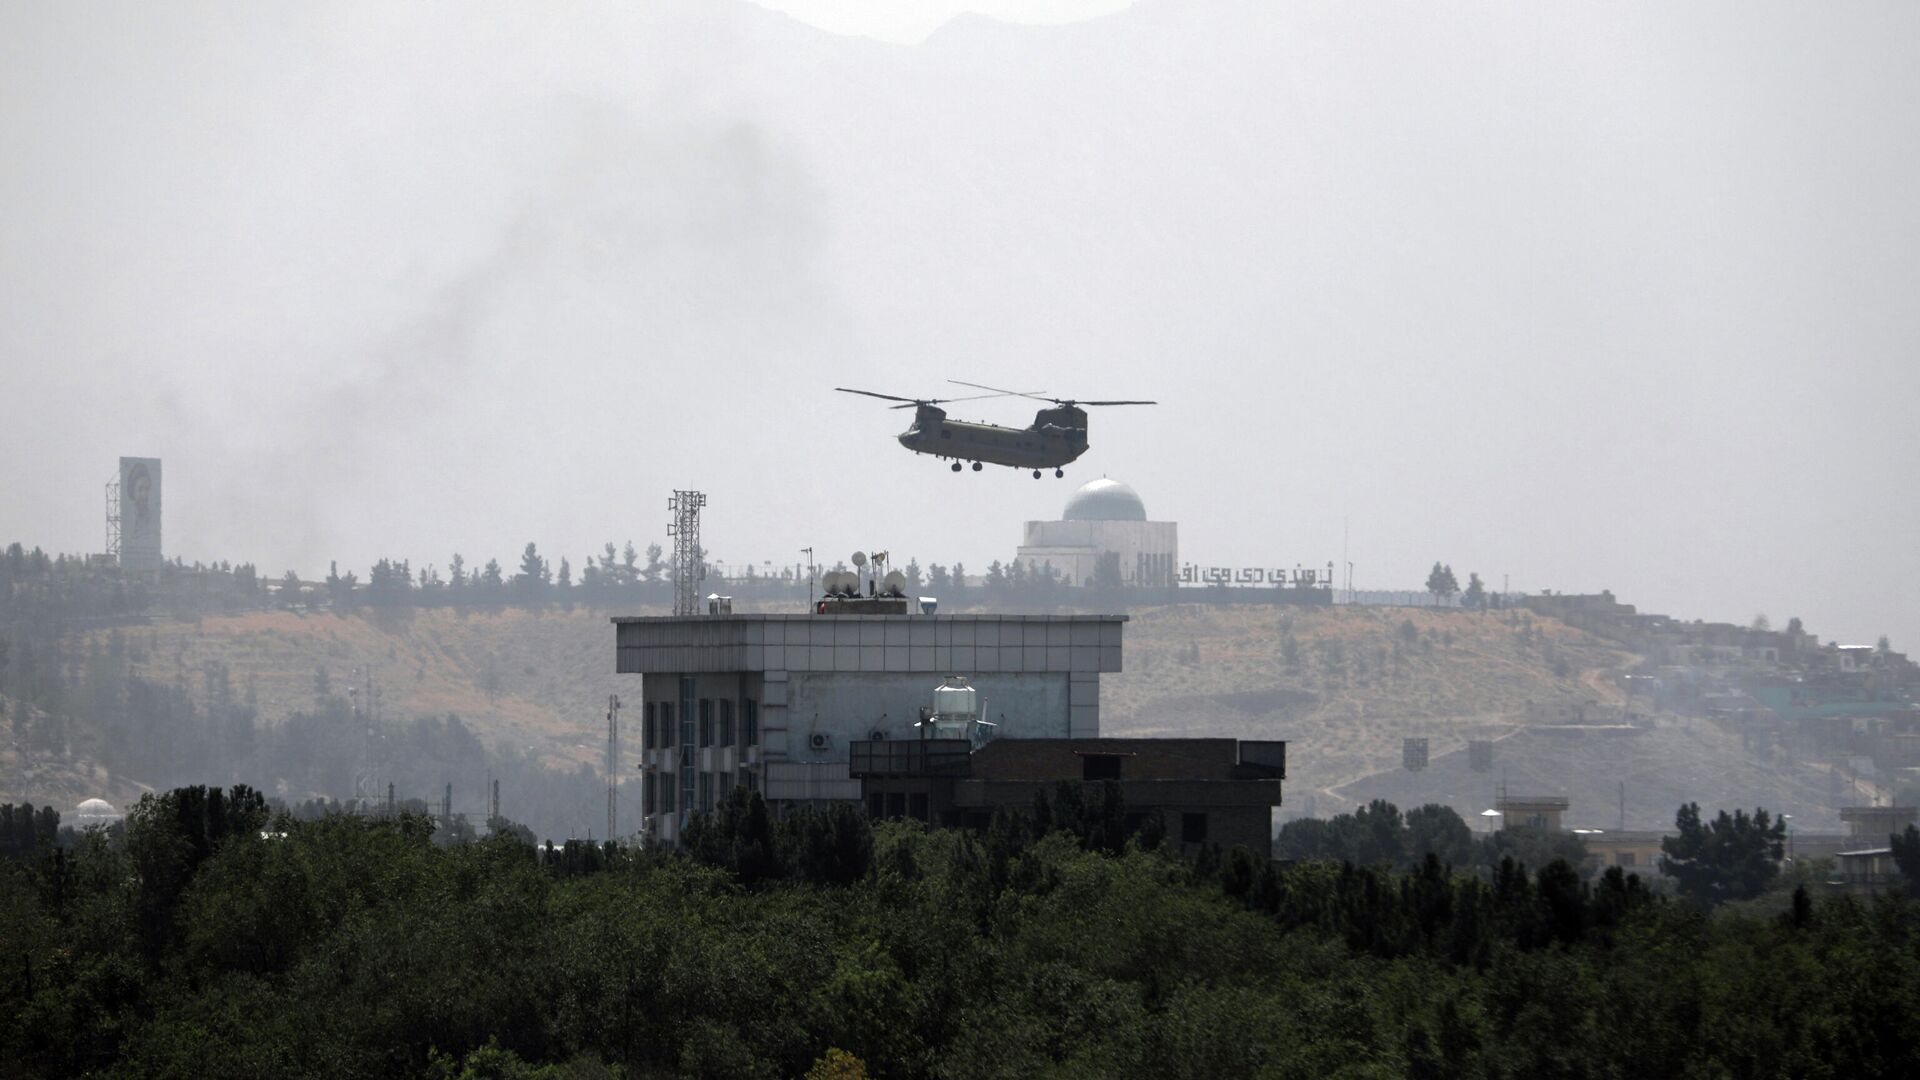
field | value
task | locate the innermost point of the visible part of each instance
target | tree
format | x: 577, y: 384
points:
x: 1441, y: 583
x: 1476, y: 595
x: 1437, y: 829
x: 656, y: 564
x: 457, y: 573
x: 289, y: 589
x: 958, y: 581
x: 566, y: 574
x: 1106, y: 571
x: 1906, y: 856
x: 491, y: 581
x: 1761, y: 622
x: 531, y: 582
x: 1729, y: 858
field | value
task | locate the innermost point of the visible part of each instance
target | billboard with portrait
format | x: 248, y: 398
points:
x: 140, y: 513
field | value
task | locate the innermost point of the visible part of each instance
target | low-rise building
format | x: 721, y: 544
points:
x: 1206, y: 791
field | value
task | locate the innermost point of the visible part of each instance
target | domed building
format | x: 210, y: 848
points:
x: 1105, y: 517
x: 95, y: 812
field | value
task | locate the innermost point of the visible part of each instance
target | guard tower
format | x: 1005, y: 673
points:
x: 1532, y: 811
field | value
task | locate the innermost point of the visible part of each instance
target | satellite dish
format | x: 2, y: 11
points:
x: 859, y: 558
x: 894, y: 584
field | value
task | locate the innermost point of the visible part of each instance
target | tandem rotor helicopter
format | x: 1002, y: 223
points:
x: 1057, y: 435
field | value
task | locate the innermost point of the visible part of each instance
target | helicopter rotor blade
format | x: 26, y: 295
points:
x: 1112, y: 403
x: 1036, y: 395
x: 883, y: 397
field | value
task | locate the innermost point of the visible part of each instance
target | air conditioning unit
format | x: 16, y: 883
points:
x: 819, y: 740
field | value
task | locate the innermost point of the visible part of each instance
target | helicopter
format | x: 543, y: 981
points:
x: 1056, y: 437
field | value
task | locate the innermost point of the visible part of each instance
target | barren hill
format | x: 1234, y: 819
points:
x: 1343, y: 685
x: 1352, y: 682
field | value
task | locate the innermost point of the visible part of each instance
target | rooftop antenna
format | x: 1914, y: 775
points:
x: 685, y: 531
x: 808, y: 552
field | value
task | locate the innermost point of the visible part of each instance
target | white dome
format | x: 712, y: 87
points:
x: 1105, y: 500
x: 95, y: 812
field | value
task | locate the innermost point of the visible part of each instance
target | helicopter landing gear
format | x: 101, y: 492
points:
x: 976, y: 466
x: 956, y: 466
x: 1036, y: 474
x: 1058, y: 473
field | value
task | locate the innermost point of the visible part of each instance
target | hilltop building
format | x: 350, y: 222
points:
x: 1105, y: 519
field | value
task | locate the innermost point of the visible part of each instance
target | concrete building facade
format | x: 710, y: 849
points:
x: 772, y: 702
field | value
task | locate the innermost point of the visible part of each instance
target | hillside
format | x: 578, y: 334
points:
x: 1343, y: 685
x: 1350, y: 685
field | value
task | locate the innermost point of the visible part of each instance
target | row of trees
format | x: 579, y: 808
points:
x: 214, y: 938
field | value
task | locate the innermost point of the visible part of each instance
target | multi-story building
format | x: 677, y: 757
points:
x: 771, y: 702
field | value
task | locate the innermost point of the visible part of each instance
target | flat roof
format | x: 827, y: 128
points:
x: 811, y: 616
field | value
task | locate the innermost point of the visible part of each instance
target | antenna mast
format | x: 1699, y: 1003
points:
x: 687, y: 568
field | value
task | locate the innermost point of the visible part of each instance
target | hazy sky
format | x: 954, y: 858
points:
x: 1595, y: 296
x: 910, y: 21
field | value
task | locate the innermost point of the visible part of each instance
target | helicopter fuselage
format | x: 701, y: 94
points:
x: 1056, y: 437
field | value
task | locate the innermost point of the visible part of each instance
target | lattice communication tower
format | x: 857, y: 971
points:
x: 687, y: 568
x: 113, y: 519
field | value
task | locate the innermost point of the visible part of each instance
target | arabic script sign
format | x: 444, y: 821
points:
x: 1256, y: 576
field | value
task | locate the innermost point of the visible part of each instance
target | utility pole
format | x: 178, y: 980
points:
x: 613, y: 764
x: 808, y: 552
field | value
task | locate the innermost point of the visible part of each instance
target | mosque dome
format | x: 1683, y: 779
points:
x: 1105, y: 500
x: 96, y: 812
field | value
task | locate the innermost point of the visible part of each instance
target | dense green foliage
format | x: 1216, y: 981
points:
x: 208, y: 945
x: 1732, y: 857
x: 1378, y: 834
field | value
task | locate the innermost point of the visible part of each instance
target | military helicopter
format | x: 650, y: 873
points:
x: 1057, y: 435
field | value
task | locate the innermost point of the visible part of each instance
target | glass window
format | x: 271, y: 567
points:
x: 751, y: 717
x: 648, y: 794
x: 666, y: 792
x: 726, y: 722
x: 1193, y: 828
x: 1100, y: 767
x: 665, y: 720
x: 706, y: 793
x: 646, y: 727
x: 706, y: 722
